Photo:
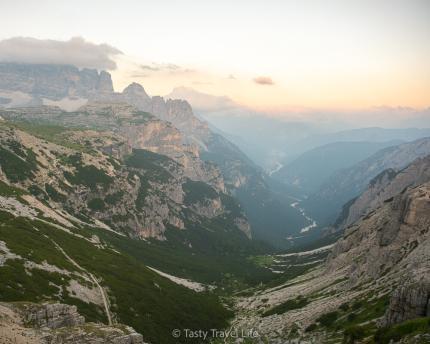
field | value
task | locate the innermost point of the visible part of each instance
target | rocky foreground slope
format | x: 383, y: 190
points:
x: 26, y: 323
x: 376, y: 277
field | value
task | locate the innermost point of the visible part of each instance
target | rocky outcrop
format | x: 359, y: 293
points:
x: 408, y: 302
x: 58, y: 324
x: 53, y: 315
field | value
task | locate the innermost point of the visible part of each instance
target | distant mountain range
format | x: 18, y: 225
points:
x: 271, y: 140
x: 326, y: 203
x: 313, y: 167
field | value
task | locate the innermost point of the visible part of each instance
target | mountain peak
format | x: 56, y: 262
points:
x: 135, y: 89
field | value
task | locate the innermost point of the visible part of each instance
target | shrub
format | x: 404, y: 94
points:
x: 353, y: 333
x: 328, y: 319
x: 289, y: 305
x: 396, y: 332
x: 96, y: 204
x: 311, y: 327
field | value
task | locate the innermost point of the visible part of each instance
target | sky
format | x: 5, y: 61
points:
x: 268, y: 55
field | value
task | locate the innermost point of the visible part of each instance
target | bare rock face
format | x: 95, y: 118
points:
x: 178, y: 112
x: 53, y: 316
x: 386, y: 185
x: 104, y: 84
x: 395, y: 235
x: 136, y: 95
x: 408, y: 302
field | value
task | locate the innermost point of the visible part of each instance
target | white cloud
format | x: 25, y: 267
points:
x: 76, y: 51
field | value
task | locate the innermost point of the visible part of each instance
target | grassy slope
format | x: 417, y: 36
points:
x: 141, y: 298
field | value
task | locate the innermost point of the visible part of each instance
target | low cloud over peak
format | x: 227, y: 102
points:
x: 263, y: 80
x: 76, y: 51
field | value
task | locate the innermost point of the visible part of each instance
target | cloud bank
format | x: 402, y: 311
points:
x: 202, y: 102
x: 263, y: 80
x: 76, y: 51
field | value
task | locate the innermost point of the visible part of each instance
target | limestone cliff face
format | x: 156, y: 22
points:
x: 136, y: 95
x: 54, y: 82
x: 395, y: 235
x: 386, y: 185
x: 408, y: 302
x: 52, y: 316
x: 178, y: 112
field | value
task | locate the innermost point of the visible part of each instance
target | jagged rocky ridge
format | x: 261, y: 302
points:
x: 24, y: 84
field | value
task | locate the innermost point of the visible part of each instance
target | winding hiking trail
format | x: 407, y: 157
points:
x: 102, y: 291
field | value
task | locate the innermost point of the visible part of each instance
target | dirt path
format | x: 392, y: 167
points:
x: 93, y: 278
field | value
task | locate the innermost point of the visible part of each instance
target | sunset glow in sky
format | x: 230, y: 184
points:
x: 265, y: 54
